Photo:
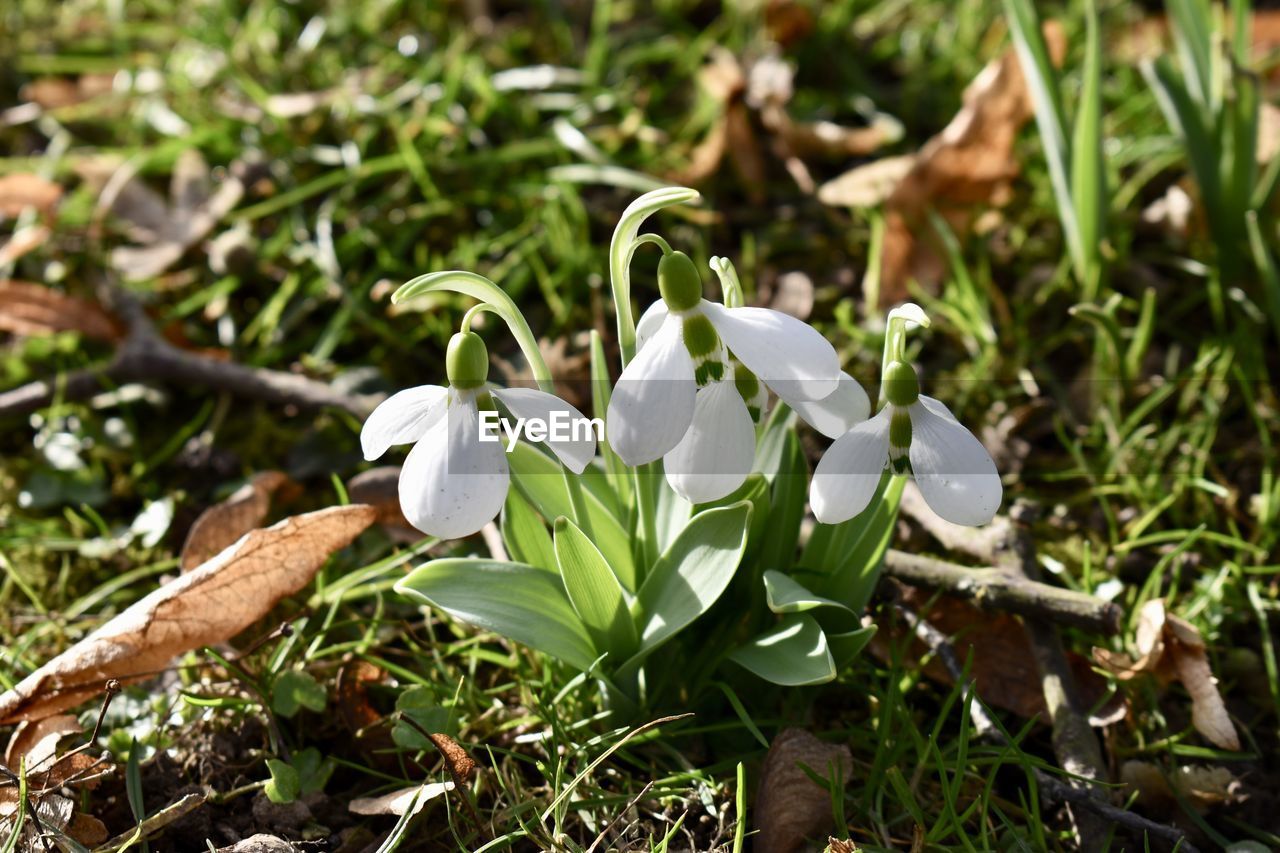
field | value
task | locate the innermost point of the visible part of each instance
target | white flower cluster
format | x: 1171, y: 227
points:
x: 692, y: 396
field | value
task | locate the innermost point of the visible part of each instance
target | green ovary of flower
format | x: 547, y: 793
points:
x: 466, y: 361
x: 679, y: 282
x: 901, y: 387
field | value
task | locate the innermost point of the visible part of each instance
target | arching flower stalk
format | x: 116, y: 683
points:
x: 452, y: 482
x: 699, y: 383
x: 911, y: 435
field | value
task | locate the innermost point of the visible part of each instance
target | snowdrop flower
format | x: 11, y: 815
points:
x: 912, y: 434
x: 700, y: 380
x: 452, y: 482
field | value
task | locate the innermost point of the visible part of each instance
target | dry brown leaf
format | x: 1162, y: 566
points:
x: 21, y: 191
x: 787, y: 22
x: 163, y: 229
x: 23, y: 242
x: 969, y: 164
x: 36, y: 742
x: 31, y: 309
x: 1203, y: 786
x: 353, y: 695
x: 1172, y: 648
x: 87, y: 829
x: 867, y: 185
x: 221, y: 525
x: 1003, y: 664
x: 52, y: 93
x: 837, y: 845
x: 790, y: 806
x: 399, y: 802
x: 209, y: 605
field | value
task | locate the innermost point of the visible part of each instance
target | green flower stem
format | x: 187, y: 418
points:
x: 578, y: 500
x: 895, y: 339
x: 642, y: 479
x: 656, y: 240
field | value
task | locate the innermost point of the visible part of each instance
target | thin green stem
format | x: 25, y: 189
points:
x: 641, y: 478
x: 655, y: 239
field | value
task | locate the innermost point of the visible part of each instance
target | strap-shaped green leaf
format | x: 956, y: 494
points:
x: 689, y: 577
x: 518, y: 601
x: 785, y: 594
x: 794, y: 653
x: 525, y: 534
x: 594, y: 591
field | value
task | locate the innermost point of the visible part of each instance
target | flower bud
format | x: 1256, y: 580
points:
x: 679, y: 282
x: 466, y: 361
x: 901, y: 387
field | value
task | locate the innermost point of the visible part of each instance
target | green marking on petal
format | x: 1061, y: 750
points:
x: 708, y: 371
x: 900, y: 429
x: 700, y: 337
x: 746, y: 381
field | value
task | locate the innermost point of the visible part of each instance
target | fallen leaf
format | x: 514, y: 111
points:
x: 87, y: 829
x: 787, y: 22
x: 867, y: 185
x: 793, y: 294
x: 163, y: 229
x: 36, y: 741
x: 968, y: 165
x: 1171, y: 648
x: 790, y: 806
x: 221, y: 525
x: 23, y: 242
x: 399, y: 802
x: 353, y: 695
x: 837, y: 845
x: 30, y: 309
x: 209, y: 605
x: 20, y: 191
x: 52, y: 93
x: 1002, y: 662
x: 1203, y: 786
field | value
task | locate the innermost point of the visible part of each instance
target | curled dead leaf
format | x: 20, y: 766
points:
x: 790, y: 806
x: 32, y: 309
x: 35, y: 742
x: 399, y: 802
x: 209, y: 605
x: 867, y: 185
x: 222, y: 524
x: 21, y: 191
x: 1173, y: 648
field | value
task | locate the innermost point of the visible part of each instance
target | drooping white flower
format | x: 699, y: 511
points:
x: 452, y: 482
x: 700, y: 381
x: 912, y: 434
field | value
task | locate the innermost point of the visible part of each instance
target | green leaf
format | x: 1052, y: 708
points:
x: 518, y: 601
x: 284, y: 786
x: 858, y: 571
x: 525, y: 534
x: 672, y: 515
x: 541, y: 481
x: 313, y: 769
x: 1088, y: 167
x: 755, y: 491
x: 691, y: 574
x: 771, y: 449
x: 1187, y: 120
x: 845, y: 647
x: 621, y: 248
x: 787, y: 595
x: 594, y: 591
x: 792, y: 654
x: 1046, y: 99
x: 293, y: 690
x: 601, y: 389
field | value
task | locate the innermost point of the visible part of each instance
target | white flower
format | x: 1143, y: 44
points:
x: 689, y: 394
x: 452, y: 483
x: 911, y: 434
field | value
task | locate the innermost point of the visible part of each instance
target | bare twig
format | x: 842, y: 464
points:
x: 144, y: 356
x: 1000, y: 589
x: 1052, y: 788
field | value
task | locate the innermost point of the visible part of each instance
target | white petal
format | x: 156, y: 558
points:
x: 952, y: 468
x: 786, y: 353
x: 650, y: 322
x: 652, y: 404
x: 452, y: 484
x: 848, y: 473
x: 570, y: 435
x: 716, y: 454
x: 402, y: 418
x: 837, y: 413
